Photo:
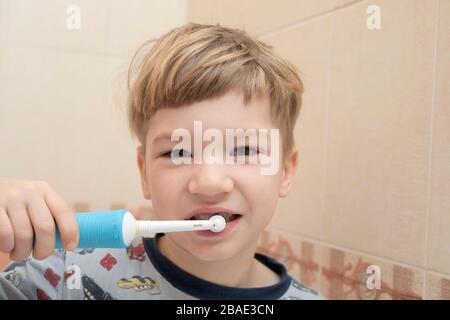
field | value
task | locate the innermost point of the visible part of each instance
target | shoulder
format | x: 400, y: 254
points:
x: 295, y: 290
x: 34, y: 279
x: 298, y: 291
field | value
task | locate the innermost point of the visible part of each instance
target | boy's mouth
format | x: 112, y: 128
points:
x: 205, y: 214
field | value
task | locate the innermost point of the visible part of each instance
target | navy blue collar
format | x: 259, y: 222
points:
x: 203, y: 289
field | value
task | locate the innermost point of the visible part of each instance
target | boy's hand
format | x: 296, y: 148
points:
x: 33, y: 205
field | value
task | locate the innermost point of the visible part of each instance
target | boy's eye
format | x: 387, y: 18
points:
x: 245, y: 151
x: 176, y: 153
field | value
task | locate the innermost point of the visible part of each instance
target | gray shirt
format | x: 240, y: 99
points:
x: 139, y: 272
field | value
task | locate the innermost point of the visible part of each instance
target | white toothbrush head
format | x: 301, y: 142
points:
x: 218, y: 223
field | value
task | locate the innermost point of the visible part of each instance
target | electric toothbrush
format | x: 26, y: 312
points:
x: 118, y: 228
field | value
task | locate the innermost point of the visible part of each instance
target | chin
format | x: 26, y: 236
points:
x: 209, y: 252
x: 212, y: 249
x: 212, y: 256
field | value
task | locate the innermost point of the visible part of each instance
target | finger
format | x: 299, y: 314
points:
x: 23, y: 232
x: 6, y: 232
x: 44, y: 228
x: 64, y: 217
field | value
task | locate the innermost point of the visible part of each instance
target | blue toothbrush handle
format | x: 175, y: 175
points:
x: 101, y: 229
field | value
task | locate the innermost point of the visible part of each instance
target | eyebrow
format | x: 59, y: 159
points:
x: 168, y: 136
x: 161, y: 137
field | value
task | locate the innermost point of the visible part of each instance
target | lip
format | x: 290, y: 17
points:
x: 209, y: 210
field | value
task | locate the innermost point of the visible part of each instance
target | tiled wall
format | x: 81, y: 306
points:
x: 373, y: 186
x: 62, y: 95
x: 59, y: 86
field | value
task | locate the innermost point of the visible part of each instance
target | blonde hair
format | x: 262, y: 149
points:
x: 195, y: 62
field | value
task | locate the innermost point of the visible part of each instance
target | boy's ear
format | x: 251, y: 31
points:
x: 143, y: 172
x: 289, y: 171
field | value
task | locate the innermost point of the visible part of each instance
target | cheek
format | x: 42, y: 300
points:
x: 251, y: 179
x: 260, y: 191
x: 166, y: 187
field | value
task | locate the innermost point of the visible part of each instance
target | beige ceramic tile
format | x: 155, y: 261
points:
x: 134, y: 22
x: 439, y: 228
x: 437, y: 287
x: 43, y: 24
x: 308, y: 47
x: 49, y: 98
x: 4, y: 20
x: 256, y: 16
x: 345, y: 276
x: 301, y: 257
x: 71, y: 134
x: 379, y: 130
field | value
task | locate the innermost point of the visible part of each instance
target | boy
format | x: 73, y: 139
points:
x: 212, y: 76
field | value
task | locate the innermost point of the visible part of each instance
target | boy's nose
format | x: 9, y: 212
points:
x: 210, y: 180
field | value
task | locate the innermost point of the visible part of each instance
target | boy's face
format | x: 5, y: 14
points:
x: 178, y: 189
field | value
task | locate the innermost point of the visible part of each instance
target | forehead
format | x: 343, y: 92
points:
x: 226, y: 112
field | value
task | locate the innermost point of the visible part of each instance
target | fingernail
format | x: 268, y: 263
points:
x: 71, y: 246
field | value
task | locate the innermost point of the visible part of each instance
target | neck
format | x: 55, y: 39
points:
x: 244, y: 276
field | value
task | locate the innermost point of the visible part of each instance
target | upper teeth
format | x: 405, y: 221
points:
x: 226, y: 215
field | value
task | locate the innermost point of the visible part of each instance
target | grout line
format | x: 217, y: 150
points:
x: 325, y: 139
x: 187, y: 16
x: 352, y: 251
x: 430, y: 152
x: 306, y: 20
x: 124, y: 56
x: 439, y: 274
x: 61, y: 49
x: 327, y: 122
